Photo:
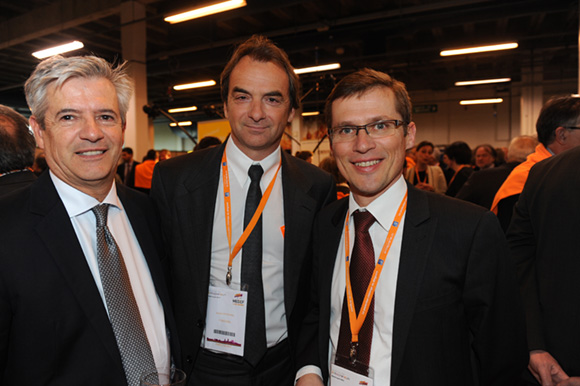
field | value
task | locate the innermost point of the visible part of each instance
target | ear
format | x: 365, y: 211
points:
x: 291, y: 115
x: 37, y: 130
x: 560, y: 135
x: 410, y: 138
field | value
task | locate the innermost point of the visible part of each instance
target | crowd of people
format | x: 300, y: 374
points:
x: 245, y: 265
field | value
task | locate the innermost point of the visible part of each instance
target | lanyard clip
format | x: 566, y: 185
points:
x: 229, y: 276
x: 353, y: 353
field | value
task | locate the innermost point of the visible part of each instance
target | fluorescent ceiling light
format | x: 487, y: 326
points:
x: 205, y: 11
x: 310, y: 113
x: 324, y: 67
x: 58, y: 50
x: 183, y: 123
x: 481, y: 101
x: 474, y: 50
x: 483, y: 81
x: 182, y: 109
x: 187, y: 86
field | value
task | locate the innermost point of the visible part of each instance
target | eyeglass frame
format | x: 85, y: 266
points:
x: 397, y: 122
x: 571, y: 127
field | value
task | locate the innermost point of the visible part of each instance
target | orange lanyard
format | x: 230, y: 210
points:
x: 356, y: 322
x: 417, y: 174
x: 228, y: 210
x: 453, y: 178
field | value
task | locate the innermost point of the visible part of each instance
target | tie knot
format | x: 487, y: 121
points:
x: 255, y: 172
x: 363, y: 221
x: 101, y: 211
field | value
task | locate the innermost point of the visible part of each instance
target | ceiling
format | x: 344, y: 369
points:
x: 403, y: 38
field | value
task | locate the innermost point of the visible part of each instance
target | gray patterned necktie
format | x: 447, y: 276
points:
x: 123, y: 310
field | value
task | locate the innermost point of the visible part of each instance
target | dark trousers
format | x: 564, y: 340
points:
x: 275, y: 369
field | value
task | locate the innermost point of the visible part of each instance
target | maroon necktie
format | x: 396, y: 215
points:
x: 362, y: 265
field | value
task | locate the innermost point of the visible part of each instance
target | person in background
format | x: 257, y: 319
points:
x: 558, y: 128
x: 443, y: 307
x: 207, y: 199
x: 329, y: 165
x: 485, y: 156
x: 543, y: 238
x: 482, y: 186
x: 305, y: 155
x: 17, y: 147
x: 144, y: 171
x: 126, y: 170
x: 423, y: 175
x: 82, y: 289
x: 39, y: 164
x: 164, y: 154
x: 458, y: 158
x: 206, y: 142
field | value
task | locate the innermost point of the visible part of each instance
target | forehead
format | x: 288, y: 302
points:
x: 252, y: 74
x: 100, y: 89
x: 378, y: 102
x: 483, y: 150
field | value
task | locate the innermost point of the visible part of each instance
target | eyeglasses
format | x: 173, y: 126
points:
x: 379, y: 129
x: 572, y: 127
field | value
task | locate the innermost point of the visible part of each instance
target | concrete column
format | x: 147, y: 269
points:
x: 139, y: 133
x: 532, y: 98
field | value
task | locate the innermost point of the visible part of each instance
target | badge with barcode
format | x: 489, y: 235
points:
x: 226, y: 320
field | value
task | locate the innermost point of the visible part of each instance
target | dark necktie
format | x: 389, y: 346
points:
x: 124, y: 313
x: 362, y: 265
x: 255, y: 340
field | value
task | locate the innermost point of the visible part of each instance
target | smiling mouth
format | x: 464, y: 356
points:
x: 91, y: 152
x: 366, y: 163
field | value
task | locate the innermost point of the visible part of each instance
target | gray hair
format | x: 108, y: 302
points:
x: 58, y: 69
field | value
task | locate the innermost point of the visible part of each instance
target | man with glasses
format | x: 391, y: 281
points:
x: 558, y: 130
x: 414, y: 288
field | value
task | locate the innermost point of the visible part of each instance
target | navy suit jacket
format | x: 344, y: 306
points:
x: 185, y: 190
x: 54, y: 328
x: 458, y: 316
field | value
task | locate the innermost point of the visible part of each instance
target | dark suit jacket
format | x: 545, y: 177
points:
x: 456, y: 296
x: 544, y: 241
x: 54, y: 328
x: 130, y: 177
x: 185, y: 190
x: 482, y: 186
x: 14, y: 181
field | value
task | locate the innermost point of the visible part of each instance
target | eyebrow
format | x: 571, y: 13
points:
x: 372, y: 120
x: 271, y: 93
x: 69, y: 110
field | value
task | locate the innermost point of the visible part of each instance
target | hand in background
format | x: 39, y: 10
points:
x: 312, y: 380
x: 546, y: 369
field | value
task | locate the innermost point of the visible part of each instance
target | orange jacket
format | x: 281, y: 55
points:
x: 515, y: 182
x: 144, y: 174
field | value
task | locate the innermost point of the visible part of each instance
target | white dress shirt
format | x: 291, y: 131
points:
x: 272, y: 236
x: 383, y: 209
x: 78, y: 206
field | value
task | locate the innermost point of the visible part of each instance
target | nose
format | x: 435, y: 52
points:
x: 91, y: 130
x: 256, y: 111
x: 363, y: 142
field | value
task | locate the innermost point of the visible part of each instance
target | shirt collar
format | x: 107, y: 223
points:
x: 239, y: 163
x: 384, y: 207
x: 76, y: 202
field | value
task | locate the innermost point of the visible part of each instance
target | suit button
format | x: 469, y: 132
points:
x: 189, y: 359
x: 199, y: 323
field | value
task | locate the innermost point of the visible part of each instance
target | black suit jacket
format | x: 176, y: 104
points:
x: 482, y: 186
x: 185, y: 190
x: 458, y: 315
x: 130, y: 177
x: 544, y: 241
x: 14, y: 181
x: 54, y: 328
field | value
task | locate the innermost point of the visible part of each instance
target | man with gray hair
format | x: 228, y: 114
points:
x: 17, y: 148
x: 81, y: 284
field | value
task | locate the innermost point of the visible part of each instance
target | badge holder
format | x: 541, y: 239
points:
x: 347, y: 371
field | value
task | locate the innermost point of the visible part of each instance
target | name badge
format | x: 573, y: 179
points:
x: 226, y: 320
x: 344, y: 377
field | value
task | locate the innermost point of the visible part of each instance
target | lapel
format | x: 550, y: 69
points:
x: 198, y: 202
x: 417, y: 241
x: 299, y: 212
x: 56, y: 232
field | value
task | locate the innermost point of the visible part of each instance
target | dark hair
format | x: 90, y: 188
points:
x: 359, y: 82
x: 423, y: 144
x: 460, y: 152
x: 487, y: 147
x: 206, y: 142
x: 329, y: 165
x: 128, y: 150
x: 151, y: 155
x: 262, y: 49
x: 16, y: 149
x: 557, y: 112
x: 304, y: 154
